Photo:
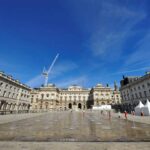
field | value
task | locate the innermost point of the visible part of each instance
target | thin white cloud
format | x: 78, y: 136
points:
x: 142, y: 53
x: 63, y: 67
x: 36, y: 81
x: 58, y: 70
x: 80, y: 80
x: 130, y: 71
x: 113, y: 29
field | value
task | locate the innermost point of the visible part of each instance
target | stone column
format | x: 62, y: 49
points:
x: 8, y: 106
x: 0, y: 104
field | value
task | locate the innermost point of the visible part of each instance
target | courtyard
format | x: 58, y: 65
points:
x: 73, y: 126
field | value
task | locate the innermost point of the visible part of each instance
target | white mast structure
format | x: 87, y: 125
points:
x: 47, y: 72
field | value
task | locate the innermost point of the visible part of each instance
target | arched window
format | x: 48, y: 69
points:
x: 42, y: 96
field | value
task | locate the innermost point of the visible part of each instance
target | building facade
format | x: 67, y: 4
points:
x: 135, y: 89
x: 14, y: 96
x: 74, y: 97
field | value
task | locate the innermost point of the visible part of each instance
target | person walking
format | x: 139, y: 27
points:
x: 119, y: 114
x: 133, y: 113
x: 125, y: 114
x: 142, y: 113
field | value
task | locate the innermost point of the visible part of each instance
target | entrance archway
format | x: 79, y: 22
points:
x: 79, y: 106
x: 103, y: 103
x: 70, y: 106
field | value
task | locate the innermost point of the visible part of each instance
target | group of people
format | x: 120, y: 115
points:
x: 126, y: 114
x: 119, y: 114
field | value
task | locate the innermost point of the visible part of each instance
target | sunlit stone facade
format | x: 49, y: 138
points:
x: 74, y: 97
x: 14, y: 96
x: 135, y: 89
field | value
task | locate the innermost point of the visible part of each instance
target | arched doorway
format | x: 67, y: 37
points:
x: 79, y: 106
x: 103, y: 103
x: 70, y: 106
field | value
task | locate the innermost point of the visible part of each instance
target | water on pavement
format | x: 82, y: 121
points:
x: 74, y: 126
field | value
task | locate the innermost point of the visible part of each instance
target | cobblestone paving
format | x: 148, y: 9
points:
x: 74, y: 127
x: 74, y: 145
x: 15, y: 117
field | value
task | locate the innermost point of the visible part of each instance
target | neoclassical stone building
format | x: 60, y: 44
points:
x: 74, y: 97
x: 135, y: 88
x: 14, y: 96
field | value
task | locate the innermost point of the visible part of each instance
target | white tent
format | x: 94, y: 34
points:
x: 138, y: 108
x: 146, y: 108
x: 102, y: 107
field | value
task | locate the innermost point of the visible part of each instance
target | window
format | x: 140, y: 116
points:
x: 145, y: 94
x: 47, y: 95
x: 4, y: 94
x: 148, y: 84
x: 136, y: 95
x: 143, y: 86
x: 6, y: 86
x: 42, y: 96
x: 13, y: 95
x: 9, y: 94
x: 1, y: 83
x: 140, y: 94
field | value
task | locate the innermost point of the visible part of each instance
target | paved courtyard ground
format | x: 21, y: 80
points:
x: 74, y: 127
x: 72, y: 131
x: 74, y: 146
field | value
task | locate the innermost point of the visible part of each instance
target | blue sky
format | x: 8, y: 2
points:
x: 98, y: 40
